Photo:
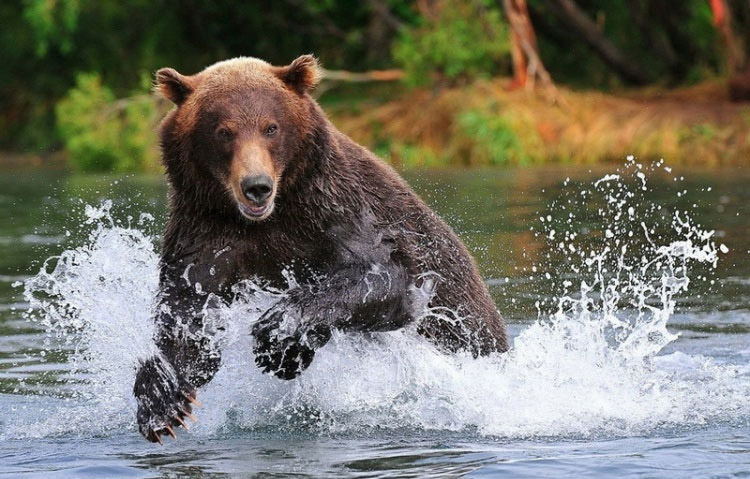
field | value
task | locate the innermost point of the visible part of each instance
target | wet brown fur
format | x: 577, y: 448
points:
x: 339, y: 210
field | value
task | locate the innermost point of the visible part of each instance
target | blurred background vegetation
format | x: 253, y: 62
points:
x: 421, y: 82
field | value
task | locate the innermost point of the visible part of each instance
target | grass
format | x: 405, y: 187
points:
x: 487, y: 124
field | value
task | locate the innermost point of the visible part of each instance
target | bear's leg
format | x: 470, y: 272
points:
x: 356, y: 298
x: 165, y: 384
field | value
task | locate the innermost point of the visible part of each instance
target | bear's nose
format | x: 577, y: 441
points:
x: 257, y: 188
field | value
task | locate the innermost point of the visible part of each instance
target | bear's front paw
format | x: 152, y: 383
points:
x: 164, y: 400
x: 281, y: 352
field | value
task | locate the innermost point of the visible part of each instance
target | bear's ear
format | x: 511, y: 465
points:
x: 301, y: 75
x: 174, y: 86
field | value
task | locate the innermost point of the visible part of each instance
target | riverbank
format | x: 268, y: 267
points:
x: 486, y: 123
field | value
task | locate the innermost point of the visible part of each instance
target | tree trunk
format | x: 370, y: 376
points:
x: 382, y: 27
x: 571, y: 14
x: 736, y: 53
x: 732, y: 44
x: 527, y: 64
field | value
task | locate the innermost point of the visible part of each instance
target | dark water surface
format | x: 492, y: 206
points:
x: 474, y: 419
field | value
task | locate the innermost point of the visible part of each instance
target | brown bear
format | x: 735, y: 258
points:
x: 263, y: 185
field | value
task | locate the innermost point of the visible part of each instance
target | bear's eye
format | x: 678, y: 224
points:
x: 272, y: 129
x: 224, y: 134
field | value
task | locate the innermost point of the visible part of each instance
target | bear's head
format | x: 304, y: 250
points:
x: 238, y: 130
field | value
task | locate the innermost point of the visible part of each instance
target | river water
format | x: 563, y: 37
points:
x: 626, y: 290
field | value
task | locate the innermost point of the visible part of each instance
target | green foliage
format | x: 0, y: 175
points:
x: 44, y: 45
x: 469, y: 39
x: 408, y: 155
x: 491, y: 137
x: 53, y: 22
x: 705, y: 130
x: 103, y: 134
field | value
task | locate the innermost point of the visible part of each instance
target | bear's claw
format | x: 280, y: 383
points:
x: 191, y: 398
x: 163, y: 400
x: 171, y: 432
x: 154, y: 434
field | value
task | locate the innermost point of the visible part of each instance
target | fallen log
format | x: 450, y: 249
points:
x: 373, y: 75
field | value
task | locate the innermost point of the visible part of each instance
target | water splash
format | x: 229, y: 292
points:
x: 590, y: 365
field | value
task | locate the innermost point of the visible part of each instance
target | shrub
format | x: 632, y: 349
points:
x: 102, y: 133
x: 490, y: 138
x: 468, y: 39
x: 407, y: 155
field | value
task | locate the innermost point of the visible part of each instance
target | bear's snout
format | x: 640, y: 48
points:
x: 256, y: 201
x: 257, y: 188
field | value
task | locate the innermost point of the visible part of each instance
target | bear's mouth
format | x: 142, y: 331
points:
x: 256, y: 213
